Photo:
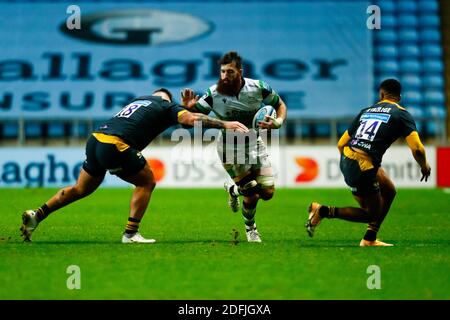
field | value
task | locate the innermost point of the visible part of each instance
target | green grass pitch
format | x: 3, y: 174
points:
x: 195, y: 256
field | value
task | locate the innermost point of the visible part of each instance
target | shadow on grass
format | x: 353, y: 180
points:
x: 300, y: 243
x: 111, y: 242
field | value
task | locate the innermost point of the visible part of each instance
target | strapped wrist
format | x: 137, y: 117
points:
x: 278, y: 122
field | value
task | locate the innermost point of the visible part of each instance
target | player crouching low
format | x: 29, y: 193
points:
x: 115, y: 147
x: 362, y: 148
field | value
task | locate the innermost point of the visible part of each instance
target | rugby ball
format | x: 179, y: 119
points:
x: 261, y: 114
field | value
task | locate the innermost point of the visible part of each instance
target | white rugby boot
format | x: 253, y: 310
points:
x: 29, y: 224
x: 233, y: 195
x: 252, y: 234
x: 136, y: 238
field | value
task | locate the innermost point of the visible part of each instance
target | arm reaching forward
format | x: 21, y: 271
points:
x: 189, y: 99
x: 189, y: 118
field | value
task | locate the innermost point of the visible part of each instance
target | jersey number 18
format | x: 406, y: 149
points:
x: 128, y: 110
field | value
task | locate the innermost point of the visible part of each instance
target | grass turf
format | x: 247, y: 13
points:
x: 195, y: 257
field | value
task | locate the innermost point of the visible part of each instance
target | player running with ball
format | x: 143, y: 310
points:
x: 237, y: 98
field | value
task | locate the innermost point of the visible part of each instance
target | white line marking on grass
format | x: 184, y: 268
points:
x: 446, y: 190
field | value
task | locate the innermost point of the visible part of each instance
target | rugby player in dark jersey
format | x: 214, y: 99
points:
x: 116, y: 147
x: 362, y: 148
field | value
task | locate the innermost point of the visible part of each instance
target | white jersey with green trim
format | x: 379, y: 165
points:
x: 242, y: 107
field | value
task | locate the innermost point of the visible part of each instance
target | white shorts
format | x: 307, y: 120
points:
x: 240, y: 160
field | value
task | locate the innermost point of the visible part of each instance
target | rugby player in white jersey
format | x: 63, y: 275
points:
x: 237, y: 98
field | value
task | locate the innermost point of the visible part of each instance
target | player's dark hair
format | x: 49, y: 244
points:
x: 165, y: 91
x: 230, y: 57
x: 391, y: 87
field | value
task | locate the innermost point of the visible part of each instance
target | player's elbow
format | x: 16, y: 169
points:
x: 417, y: 150
x: 281, y: 106
x: 419, y: 156
x: 267, y: 193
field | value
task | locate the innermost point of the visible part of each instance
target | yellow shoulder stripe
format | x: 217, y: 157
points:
x: 392, y: 102
x: 180, y: 113
x: 343, y: 140
x: 413, y: 141
x: 104, y: 138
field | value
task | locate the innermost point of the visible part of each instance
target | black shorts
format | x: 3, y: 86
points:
x: 362, y: 183
x: 102, y: 157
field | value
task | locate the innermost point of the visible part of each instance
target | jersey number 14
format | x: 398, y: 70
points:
x: 367, y: 130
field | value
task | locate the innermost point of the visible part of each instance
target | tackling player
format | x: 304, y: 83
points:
x: 362, y: 148
x: 237, y: 98
x: 115, y: 147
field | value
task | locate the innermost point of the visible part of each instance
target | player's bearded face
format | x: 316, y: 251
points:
x: 229, y: 83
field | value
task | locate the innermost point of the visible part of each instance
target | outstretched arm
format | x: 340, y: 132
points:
x: 418, y: 152
x: 189, y: 118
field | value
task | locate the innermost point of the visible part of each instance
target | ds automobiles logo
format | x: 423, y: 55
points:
x: 310, y: 169
x: 157, y: 167
x: 146, y: 27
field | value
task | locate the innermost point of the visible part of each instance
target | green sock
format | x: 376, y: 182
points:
x: 249, y: 214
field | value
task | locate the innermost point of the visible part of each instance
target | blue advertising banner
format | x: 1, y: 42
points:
x: 56, y: 64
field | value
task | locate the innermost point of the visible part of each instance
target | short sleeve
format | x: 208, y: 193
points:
x: 174, y: 111
x: 355, y: 124
x: 205, y: 103
x: 408, y: 124
x: 269, y: 96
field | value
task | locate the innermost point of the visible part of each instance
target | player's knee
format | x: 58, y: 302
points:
x: 249, y: 189
x: 251, y: 200
x: 267, y: 193
x: 391, y: 194
x: 146, y: 181
x: 266, y: 182
x: 151, y: 185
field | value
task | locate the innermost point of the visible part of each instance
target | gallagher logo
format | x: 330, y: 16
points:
x: 145, y: 27
x: 310, y: 169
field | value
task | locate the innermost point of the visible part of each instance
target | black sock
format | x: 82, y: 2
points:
x: 42, y: 212
x: 371, y: 233
x: 132, y: 226
x: 328, y: 212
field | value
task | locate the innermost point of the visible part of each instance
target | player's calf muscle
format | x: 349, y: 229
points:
x: 267, y: 193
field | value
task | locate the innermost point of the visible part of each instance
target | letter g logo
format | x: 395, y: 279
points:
x: 144, y: 27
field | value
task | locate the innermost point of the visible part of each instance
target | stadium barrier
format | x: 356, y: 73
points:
x: 181, y: 167
x: 50, y: 131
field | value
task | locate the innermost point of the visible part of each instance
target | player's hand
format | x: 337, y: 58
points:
x: 271, y: 123
x: 188, y: 98
x: 236, y: 126
x: 425, y: 172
